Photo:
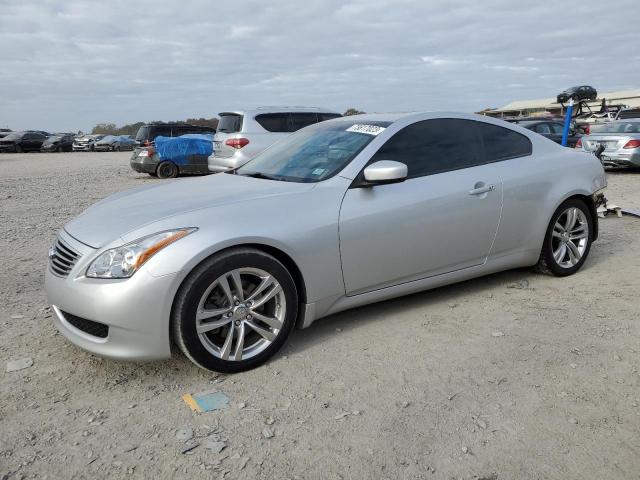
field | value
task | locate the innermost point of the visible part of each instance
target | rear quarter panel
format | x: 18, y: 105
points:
x: 533, y: 188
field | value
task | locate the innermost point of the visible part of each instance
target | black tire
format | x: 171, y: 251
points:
x: 117, y: 149
x: 183, y: 323
x: 167, y: 169
x: 547, y: 264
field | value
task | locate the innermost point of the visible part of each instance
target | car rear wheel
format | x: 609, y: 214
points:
x: 568, y: 239
x: 167, y: 169
x: 235, y: 311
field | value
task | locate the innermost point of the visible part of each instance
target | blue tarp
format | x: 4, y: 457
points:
x: 179, y: 149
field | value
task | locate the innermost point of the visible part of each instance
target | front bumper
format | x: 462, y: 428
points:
x: 8, y: 148
x: 81, y: 148
x: 136, y: 310
x: 49, y: 148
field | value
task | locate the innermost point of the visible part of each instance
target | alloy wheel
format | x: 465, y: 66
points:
x: 240, y: 314
x: 570, y: 237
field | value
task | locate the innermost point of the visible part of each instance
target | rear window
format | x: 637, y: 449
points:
x: 274, y: 122
x: 230, y: 123
x: 635, y: 113
x: 143, y: 133
x: 619, y: 127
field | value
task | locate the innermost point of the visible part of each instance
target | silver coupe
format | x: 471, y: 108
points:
x: 340, y: 214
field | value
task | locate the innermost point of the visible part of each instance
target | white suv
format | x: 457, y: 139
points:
x: 241, y: 135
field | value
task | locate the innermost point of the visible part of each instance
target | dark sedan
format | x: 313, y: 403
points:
x: 58, y: 143
x: 22, y: 142
x: 550, y: 129
x: 583, y: 92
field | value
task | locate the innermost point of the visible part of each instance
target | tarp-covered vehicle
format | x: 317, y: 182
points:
x: 172, y: 156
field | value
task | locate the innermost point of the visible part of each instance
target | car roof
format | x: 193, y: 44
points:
x: 275, y: 109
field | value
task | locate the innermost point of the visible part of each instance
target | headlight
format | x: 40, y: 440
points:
x: 124, y: 261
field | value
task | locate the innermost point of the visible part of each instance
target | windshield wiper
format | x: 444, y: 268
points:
x: 265, y: 176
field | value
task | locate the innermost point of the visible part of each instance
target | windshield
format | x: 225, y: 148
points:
x: 315, y: 153
x: 619, y: 127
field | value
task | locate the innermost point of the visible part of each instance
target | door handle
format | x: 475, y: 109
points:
x: 482, y: 189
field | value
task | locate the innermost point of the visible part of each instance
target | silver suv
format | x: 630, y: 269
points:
x: 242, y: 134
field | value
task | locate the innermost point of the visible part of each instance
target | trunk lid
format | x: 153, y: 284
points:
x: 610, y: 142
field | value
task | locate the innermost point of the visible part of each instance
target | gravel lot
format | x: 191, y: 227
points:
x: 511, y: 376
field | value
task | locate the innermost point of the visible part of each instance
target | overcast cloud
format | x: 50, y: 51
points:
x: 67, y: 65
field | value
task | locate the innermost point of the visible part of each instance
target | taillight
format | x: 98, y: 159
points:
x: 579, y: 143
x: 237, y: 142
x: 632, y: 144
x: 151, y: 150
x: 587, y: 129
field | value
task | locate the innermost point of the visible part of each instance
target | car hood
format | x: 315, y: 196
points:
x: 126, y: 211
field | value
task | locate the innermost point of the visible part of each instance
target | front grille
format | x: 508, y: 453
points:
x: 96, y: 329
x: 62, y: 258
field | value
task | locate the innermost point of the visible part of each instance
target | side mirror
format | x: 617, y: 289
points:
x: 385, y: 171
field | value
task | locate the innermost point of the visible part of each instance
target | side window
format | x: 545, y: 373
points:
x: 301, y: 120
x: 502, y: 143
x: 327, y: 116
x: 543, y: 128
x: 557, y: 128
x: 434, y: 146
x: 274, y: 122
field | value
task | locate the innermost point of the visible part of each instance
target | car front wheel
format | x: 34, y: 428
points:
x: 235, y: 310
x: 568, y: 239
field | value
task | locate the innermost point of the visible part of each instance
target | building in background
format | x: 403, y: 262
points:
x: 548, y: 106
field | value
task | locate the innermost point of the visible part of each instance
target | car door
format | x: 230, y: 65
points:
x: 442, y: 218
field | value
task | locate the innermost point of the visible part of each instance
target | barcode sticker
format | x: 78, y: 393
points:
x: 368, y: 129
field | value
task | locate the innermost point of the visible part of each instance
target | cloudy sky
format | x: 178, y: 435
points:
x: 69, y: 64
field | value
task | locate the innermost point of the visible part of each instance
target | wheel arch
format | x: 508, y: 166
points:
x: 275, y: 252
x: 588, y: 200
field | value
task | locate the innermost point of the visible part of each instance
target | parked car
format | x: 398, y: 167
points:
x: 340, y: 214
x: 86, y: 143
x: 243, y: 134
x: 114, y: 143
x: 627, y: 113
x: 147, y: 133
x: 4, y: 132
x: 621, y: 142
x: 172, y: 156
x: 22, y: 142
x: 550, y: 129
x: 584, y: 92
x: 59, y: 142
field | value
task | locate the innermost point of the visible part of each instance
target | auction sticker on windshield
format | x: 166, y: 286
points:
x: 368, y: 129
